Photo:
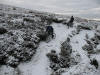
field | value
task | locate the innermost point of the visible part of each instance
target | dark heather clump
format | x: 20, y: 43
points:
x: 54, y: 60
x: 88, y: 47
x: 3, y: 30
x: 43, y: 36
x: 84, y: 27
x: 91, y: 44
x: 66, y: 50
x: 95, y: 63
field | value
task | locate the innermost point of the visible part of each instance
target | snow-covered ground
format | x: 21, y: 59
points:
x: 39, y: 65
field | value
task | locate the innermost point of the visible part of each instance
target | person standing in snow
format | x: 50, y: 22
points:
x: 71, y: 19
x: 50, y: 30
x: 70, y: 23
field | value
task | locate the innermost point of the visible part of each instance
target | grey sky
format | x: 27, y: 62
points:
x: 82, y: 8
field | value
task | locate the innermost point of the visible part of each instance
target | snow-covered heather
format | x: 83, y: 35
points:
x: 39, y: 65
x: 25, y: 24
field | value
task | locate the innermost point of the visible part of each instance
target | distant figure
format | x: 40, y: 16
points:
x: 71, y: 19
x: 50, y: 30
x: 70, y: 23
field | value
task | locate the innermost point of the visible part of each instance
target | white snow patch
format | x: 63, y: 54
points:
x: 6, y: 70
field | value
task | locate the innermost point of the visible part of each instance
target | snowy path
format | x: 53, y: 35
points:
x: 82, y: 67
x: 39, y: 64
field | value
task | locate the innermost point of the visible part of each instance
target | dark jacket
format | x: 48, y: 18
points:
x: 49, y: 30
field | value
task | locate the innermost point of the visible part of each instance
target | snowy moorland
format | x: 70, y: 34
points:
x: 23, y: 51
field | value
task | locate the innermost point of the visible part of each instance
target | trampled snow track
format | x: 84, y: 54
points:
x: 82, y: 67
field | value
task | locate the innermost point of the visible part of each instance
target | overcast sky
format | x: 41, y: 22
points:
x: 82, y: 8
